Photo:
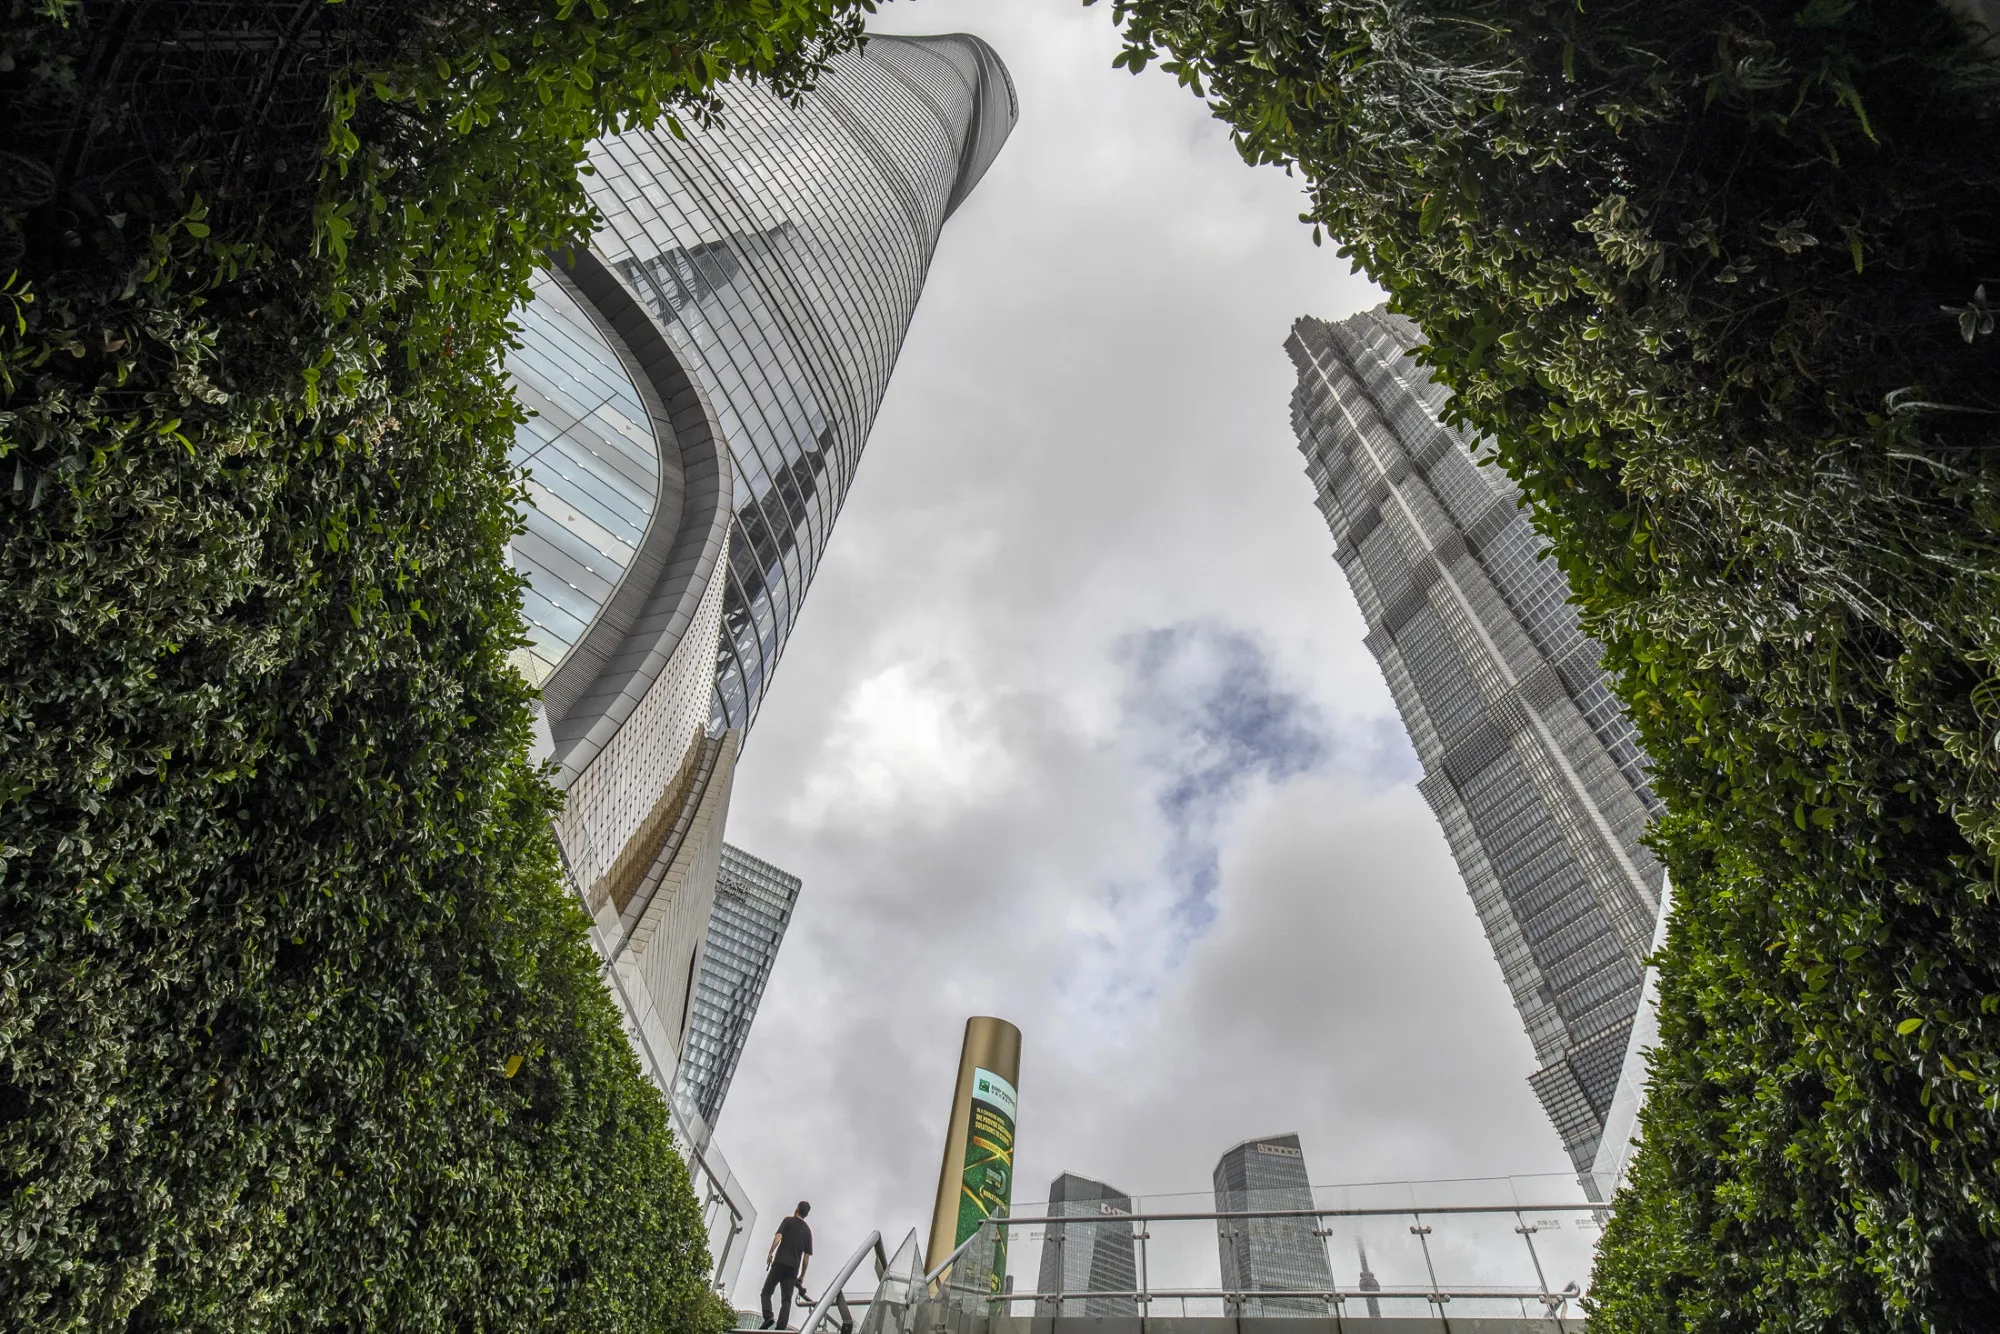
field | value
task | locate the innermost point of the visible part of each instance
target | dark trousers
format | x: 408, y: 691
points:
x: 785, y: 1278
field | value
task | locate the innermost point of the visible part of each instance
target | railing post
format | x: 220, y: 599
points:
x: 1422, y: 1232
x: 1230, y: 1305
x: 1541, y: 1279
x: 1062, y: 1256
x: 998, y: 1298
x: 1333, y: 1299
x: 1144, y: 1235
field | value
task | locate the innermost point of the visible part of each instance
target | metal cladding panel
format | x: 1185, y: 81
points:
x: 1534, y: 771
x: 666, y: 944
x: 612, y: 799
x: 783, y: 250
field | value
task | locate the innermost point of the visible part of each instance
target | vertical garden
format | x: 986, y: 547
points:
x: 1720, y: 282
x: 298, y: 1025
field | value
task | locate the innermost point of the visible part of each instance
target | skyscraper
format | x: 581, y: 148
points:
x: 1270, y: 1254
x: 783, y: 253
x: 1530, y: 764
x: 753, y: 906
x: 1088, y: 1257
x: 705, y: 368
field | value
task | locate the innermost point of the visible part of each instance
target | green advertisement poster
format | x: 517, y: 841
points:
x: 987, y: 1186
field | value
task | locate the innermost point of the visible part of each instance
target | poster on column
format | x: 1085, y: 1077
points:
x: 986, y: 1188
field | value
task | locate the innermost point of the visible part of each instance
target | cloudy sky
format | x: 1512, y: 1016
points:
x: 1078, y: 728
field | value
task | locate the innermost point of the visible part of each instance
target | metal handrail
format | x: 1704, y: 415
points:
x: 1403, y: 1292
x: 835, y: 1295
x: 1434, y: 1292
x: 938, y: 1273
x: 1405, y: 1211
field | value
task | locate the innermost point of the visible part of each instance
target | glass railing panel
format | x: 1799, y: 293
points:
x: 1490, y: 1247
x: 1566, y: 1245
x: 901, y: 1285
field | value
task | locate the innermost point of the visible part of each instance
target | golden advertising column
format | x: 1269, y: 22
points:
x: 977, y: 1179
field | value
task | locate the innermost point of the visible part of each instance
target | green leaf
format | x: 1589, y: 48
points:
x: 1431, y: 214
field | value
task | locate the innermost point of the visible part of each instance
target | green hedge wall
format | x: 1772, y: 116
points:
x: 1716, y: 279
x: 298, y: 1024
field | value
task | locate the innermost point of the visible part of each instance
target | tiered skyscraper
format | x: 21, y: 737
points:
x: 1270, y: 1254
x: 1529, y: 762
x: 1080, y: 1258
x: 753, y: 906
x: 705, y: 372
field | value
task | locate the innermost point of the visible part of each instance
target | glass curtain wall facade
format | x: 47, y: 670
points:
x: 753, y: 906
x: 703, y: 375
x: 1530, y: 763
x: 591, y: 467
x: 1082, y: 1258
x: 783, y: 250
x: 1270, y: 1254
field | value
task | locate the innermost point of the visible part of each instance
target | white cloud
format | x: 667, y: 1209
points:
x: 912, y: 739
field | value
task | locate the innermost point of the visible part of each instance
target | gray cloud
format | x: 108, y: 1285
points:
x: 1077, y: 726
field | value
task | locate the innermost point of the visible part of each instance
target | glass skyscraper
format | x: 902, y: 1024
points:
x: 1531, y: 765
x: 1098, y: 1256
x: 1270, y: 1254
x: 783, y: 252
x: 753, y: 906
x: 703, y: 373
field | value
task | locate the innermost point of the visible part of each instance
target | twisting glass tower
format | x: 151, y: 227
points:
x: 1529, y: 762
x: 783, y: 251
x: 704, y: 372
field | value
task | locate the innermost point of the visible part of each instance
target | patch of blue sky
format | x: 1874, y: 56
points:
x: 1210, y: 719
x: 1205, y: 719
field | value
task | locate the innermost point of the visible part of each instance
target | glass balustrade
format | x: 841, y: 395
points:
x: 1494, y: 1248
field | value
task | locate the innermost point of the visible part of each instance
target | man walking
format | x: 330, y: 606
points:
x: 791, y: 1250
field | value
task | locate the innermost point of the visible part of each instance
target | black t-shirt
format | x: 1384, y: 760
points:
x: 795, y: 1241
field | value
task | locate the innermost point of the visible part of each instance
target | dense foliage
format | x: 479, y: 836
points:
x: 1716, y: 280
x: 298, y: 1025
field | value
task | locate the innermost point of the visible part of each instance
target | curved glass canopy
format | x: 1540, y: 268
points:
x: 593, y: 471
